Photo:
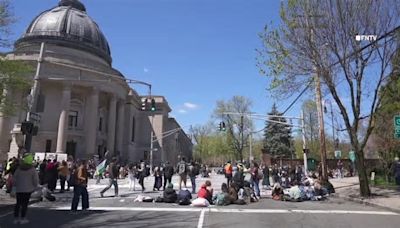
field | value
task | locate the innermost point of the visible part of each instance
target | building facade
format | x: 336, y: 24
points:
x: 86, y: 107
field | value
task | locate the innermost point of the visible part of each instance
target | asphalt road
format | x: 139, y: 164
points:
x: 124, y: 212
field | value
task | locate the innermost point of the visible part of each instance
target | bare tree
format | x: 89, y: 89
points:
x: 319, y: 37
x: 238, y: 125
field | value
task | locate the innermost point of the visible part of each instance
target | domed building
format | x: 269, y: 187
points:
x: 81, y: 105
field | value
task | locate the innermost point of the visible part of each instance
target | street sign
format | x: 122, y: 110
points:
x: 396, y: 126
x: 338, y: 154
x: 352, y: 156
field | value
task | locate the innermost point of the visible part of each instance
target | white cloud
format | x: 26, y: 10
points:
x: 189, y: 105
x: 145, y: 70
x: 183, y: 111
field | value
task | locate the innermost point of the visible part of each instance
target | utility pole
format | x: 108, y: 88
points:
x: 242, y: 137
x: 251, y: 147
x: 321, y: 127
x: 303, y: 130
x: 151, y: 142
x: 318, y: 102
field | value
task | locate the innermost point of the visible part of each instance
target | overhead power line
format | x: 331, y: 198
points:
x: 391, y: 32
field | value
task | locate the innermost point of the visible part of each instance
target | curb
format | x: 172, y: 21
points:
x: 360, y: 201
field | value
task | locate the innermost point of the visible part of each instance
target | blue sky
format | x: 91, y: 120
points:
x: 193, y: 52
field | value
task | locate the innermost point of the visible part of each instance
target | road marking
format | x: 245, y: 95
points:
x: 6, y: 214
x: 232, y: 210
x: 156, y: 209
x: 201, y: 219
x: 279, y: 211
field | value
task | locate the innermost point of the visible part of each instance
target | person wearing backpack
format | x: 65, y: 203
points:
x: 182, y: 171
x: 228, y: 173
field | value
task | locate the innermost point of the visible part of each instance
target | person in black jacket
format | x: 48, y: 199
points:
x: 168, y: 173
x: 170, y: 195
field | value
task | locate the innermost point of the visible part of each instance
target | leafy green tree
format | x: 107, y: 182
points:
x: 238, y: 125
x: 311, y: 127
x: 277, y: 137
x: 312, y: 42
x: 211, y: 147
x: 13, y: 74
x: 388, y: 146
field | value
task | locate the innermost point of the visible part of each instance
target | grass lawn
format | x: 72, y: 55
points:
x: 380, y: 181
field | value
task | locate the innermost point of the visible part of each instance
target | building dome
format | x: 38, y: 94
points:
x: 67, y: 25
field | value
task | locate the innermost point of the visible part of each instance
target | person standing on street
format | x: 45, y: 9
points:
x: 340, y: 169
x: 396, y: 171
x: 256, y: 176
x: 182, y: 171
x: 42, y: 172
x: 113, y: 177
x: 51, y: 174
x: 157, y: 179
x: 168, y: 173
x: 80, y: 187
x: 193, y: 172
x: 142, y: 174
x: 132, y: 174
x: 26, y: 180
x: 228, y: 172
x: 265, y: 181
x: 63, y: 173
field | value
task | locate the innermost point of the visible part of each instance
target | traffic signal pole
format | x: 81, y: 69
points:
x: 303, y: 131
x: 33, y: 98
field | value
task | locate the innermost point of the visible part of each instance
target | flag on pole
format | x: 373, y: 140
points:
x: 101, y: 168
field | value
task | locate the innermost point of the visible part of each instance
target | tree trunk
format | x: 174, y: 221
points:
x: 241, y: 155
x: 362, y: 174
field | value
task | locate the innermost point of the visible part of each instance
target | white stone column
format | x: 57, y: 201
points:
x: 91, y: 122
x: 121, y: 126
x: 63, y: 121
x: 111, y: 125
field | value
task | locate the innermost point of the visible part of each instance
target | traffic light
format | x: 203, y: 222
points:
x: 26, y: 127
x: 222, y: 126
x: 153, y: 105
x: 144, y: 104
x: 306, y: 151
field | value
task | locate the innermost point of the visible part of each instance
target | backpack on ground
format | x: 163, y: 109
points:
x: 182, y: 168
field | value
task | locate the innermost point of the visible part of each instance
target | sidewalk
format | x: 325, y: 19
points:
x: 348, y: 188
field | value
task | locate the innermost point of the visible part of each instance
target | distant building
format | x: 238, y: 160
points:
x: 85, y: 105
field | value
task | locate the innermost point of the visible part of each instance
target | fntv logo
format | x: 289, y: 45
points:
x: 366, y: 37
